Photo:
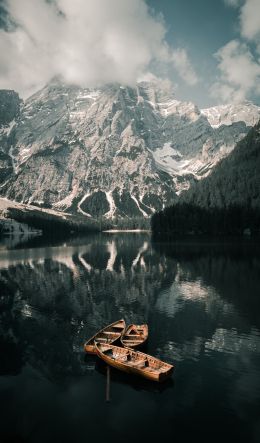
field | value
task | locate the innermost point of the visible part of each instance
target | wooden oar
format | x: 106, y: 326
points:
x: 108, y: 384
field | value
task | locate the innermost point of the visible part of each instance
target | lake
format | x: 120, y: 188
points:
x: 202, y: 303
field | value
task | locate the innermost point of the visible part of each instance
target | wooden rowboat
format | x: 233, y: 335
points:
x: 134, y: 336
x: 134, y: 362
x: 107, y: 335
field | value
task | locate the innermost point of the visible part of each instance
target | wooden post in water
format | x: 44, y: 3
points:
x: 108, y: 384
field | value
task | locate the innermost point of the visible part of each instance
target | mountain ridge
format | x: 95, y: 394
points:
x: 227, y: 202
x: 236, y: 179
x: 110, y: 152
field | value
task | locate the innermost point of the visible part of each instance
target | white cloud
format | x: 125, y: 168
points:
x: 233, y: 3
x: 239, y: 73
x: 86, y: 42
x: 183, y: 66
x: 250, y: 20
x: 249, y: 17
x: 238, y: 63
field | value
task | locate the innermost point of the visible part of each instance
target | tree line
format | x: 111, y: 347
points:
x: 184, y: 219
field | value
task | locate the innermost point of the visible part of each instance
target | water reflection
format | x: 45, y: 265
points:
x: 202, y: 306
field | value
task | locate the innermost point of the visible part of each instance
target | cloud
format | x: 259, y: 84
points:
x: 183, y: 66
x: 239, y: 73
x: 249, y: 17
x: 86, y: 42
x: 250, y: 20
x: 233, y: 3
x: 238, y: 62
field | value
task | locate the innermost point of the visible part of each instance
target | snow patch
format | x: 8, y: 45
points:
x: 67, y: 201
x: 93, y: 95
x: 186, y: 109
x: 24, y: 154
x: 111, y: 212
x: 228, y: 114
x: 147, y: 206
x: 168, y: 160
x: 14, y: 161
x: 80, y: 203
x: 137, y: 204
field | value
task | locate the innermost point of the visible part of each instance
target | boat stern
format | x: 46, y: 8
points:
x: 166, y: 374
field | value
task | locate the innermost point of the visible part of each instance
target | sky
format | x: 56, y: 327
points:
x: 208, y: 49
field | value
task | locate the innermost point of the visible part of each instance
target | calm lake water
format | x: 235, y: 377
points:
x: 201, y: 302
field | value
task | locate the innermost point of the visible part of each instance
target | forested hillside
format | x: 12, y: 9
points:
x: 235, y: 181
x: 225, y: 203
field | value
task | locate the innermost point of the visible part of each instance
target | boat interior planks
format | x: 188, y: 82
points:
x: 109, y: 334
x: 134, y: 335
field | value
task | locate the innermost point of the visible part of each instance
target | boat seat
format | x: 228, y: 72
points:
x: 110, y: 333
x: 120, y: 357
x: 138, y: 364
x: 133, y: 338
x: 131, y: 341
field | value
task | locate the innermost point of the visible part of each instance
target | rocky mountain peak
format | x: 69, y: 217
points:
x: 114, y: 151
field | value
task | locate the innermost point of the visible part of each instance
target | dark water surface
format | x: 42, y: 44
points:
x: 202, y: 306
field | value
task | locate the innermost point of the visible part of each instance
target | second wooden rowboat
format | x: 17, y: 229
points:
x: 135, y: 362
x: 107, y: 335
x: 134, y: 336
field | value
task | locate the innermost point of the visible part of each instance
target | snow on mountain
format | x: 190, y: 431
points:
x: 170, y: 160
x: 114, y: 152
x: 228, y: 114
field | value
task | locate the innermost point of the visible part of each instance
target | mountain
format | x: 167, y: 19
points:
x: 9, y: 106
x: 235, y: 180
x: 9, y: 111
x: 115, y: 151
x: 226, y: 202
x: 232, y: 113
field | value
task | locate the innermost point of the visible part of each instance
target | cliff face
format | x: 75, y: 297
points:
x: 9, y: 110
x: 116, y: 151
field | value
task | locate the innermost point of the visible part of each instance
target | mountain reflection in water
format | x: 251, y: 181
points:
x: 202, y: 306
